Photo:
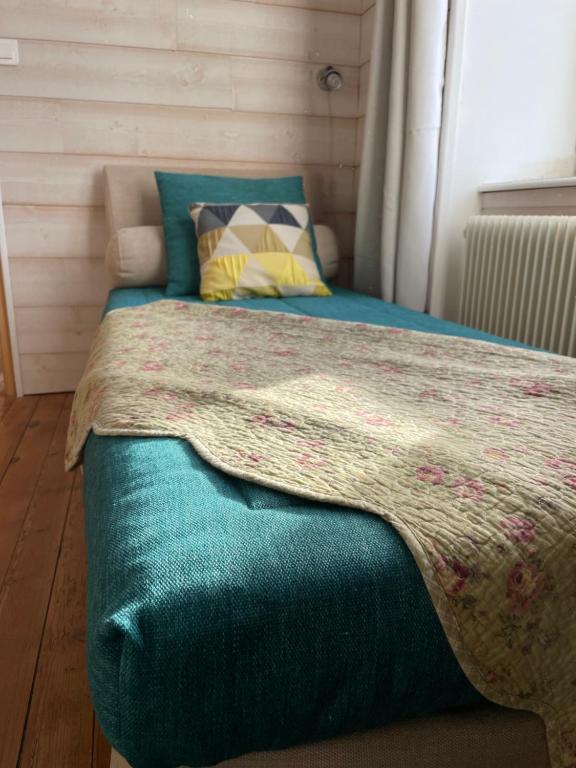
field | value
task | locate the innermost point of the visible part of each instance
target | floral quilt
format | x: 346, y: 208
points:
x: 468, y: 448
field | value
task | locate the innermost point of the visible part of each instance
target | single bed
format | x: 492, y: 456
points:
x: 227, y: 619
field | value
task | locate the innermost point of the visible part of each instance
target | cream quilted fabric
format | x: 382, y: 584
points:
x: 467, y: 448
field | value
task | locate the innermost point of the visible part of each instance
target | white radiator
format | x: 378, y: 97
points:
x: 520, y: 279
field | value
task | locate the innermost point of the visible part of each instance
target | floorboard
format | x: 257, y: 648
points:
x: 5, y: 402
x: 46, y: 718
x: 100, y: 748
x: 23, y: 470
x: 15, y: 420
x: 28, y: 577
x: 61, y: 720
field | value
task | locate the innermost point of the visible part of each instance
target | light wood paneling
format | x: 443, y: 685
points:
x: 343, y: 225
x: 563, y: 210
x: 55, y: 232
x: 58, y: 282
x: 63, y: 233
x: 56, y: 329
x: 283, y: 30
x: 144, y: 76
x: 184, y: 84
x: 366, y: 34
x: 294, y: 87
x: 366, y: 5
x: 251, y: 29
x: 129, y: 75
x: 131, y: 130
x: 366, y: 40
x: 546, y: 200
x: 143, y: 23
x: 360, y: 140
x: 363, y: 93
x: 339, y: 6
x: 77, y: 180
x: 52, y: 373
x: 345, y: 274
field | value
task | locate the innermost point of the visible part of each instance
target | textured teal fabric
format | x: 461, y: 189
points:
x: 224, y: 617
x: 178, y: 190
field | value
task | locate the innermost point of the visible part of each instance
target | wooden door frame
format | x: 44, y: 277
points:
x: 8, y: 342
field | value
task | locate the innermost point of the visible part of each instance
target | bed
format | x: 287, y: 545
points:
x: 229, y: 624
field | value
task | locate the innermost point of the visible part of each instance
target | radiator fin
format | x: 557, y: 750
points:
x: 520, y: 279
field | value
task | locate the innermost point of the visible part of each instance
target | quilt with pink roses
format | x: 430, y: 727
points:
x: 467, y: 448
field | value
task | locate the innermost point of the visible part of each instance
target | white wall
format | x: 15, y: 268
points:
x: 510, y: 114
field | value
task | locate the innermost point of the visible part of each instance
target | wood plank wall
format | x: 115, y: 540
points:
x: 184, y: 83
x: 366, y: 32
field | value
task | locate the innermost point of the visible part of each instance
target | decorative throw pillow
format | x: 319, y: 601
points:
x: 176, y: 190
x: 262, y: 249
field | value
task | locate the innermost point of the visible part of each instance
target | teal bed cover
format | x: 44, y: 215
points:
x: 225, y: 618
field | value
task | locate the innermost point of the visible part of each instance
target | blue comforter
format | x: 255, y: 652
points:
x: 225, y: 618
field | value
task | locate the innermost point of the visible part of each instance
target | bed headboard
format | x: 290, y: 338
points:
x: 136, y: 256
x: 131, y: 195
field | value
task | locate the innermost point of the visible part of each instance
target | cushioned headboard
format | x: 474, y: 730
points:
x: 131, y: 195
x: 136, y: 257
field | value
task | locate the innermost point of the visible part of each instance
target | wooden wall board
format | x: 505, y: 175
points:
x: 228, y: 27
x: 34, y: 179
x: 57, y: 329
x: 143, y: 23
x: 250, y: 29
x: 46, y: 282
x: 135, y: 130
x: 52, y: 372
x: 174, y: 78
x: 54, y: 232
x: 560, y: 200
x: 363, y: 92
x: 366, y: 33
x: 177, y: 84
x: 351, y: 7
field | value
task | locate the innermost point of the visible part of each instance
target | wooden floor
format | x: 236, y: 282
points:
x: 46, y: 719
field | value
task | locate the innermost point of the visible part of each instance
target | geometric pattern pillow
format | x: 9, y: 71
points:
x: 263, y: 249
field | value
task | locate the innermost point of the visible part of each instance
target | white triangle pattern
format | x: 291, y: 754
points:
x: 229, y: 244
x: 308, y: 265
x: 245, y: 215
x: 289, y: 235
x: 300, y: 213
x: 254, y: 275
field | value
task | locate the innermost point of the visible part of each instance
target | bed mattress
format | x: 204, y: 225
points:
x: 226, y: 618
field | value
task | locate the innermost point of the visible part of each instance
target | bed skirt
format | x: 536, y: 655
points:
x: 475, y: 737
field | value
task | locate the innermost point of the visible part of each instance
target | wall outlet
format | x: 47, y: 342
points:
x: 9, y: 52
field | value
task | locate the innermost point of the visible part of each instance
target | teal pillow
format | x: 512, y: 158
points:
x: 179, y: 190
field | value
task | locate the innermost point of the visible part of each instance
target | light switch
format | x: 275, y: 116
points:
x: 9, y: 52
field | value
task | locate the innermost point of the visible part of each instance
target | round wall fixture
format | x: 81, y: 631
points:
x: 329, y: 79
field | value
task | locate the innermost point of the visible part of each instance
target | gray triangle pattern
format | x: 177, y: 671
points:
x: 266, y: 211
x: 207, y: 222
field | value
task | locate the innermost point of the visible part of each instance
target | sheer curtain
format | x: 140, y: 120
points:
x: 398, y: 174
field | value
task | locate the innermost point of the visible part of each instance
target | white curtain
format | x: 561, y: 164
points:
x: 398, y: 175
